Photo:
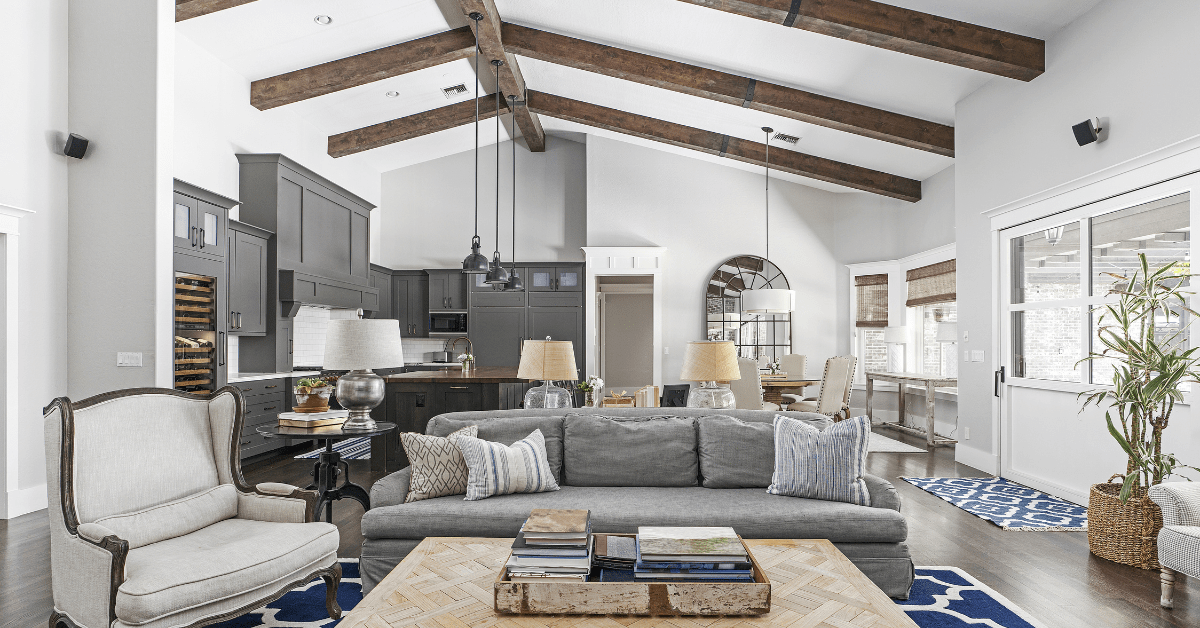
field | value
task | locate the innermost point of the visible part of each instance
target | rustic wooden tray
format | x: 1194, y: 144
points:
x: 635, y: 598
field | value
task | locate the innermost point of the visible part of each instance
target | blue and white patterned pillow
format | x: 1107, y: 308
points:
x: 825, y: 465
x: 496, y: 469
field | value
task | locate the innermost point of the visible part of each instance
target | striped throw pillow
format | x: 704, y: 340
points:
x: 825, y: 465
x: 438, y: 468
x: 496, y: 469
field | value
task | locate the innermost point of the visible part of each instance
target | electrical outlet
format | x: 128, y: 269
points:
x: 125, y: 358
x: 966, y: 433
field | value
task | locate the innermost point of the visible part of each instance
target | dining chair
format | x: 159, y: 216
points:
x: 793, y: 365
x: 747, y: 391
x: 834, y: 398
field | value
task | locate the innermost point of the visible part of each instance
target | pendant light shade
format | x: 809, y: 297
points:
x: 768, y: 300
x: 514, y: 280
x: 497, y: 273
x: 476, y: 263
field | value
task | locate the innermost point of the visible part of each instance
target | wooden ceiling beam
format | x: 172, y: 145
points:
x: 902, y: 30
x: 712, y: 143
x: 361, y: 69
x: 188, y: 9
x: 730, y: 88
x: 408, y: 127
x: 511, y: 82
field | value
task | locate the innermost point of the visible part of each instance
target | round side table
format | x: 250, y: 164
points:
x: 330, y: 467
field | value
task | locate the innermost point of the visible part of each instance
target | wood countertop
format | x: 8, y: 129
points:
x: 477, y: 375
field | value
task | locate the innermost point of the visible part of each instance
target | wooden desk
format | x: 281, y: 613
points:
x: 902, y: 381
x: 774, y: 385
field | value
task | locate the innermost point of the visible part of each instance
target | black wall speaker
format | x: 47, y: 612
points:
x: 1086, y: 132
x: 76, y: 146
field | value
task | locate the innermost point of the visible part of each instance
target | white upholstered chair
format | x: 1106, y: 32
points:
x: 793, y: 364
x: 834, y: 398
x: 152, y: 525
x: 747, y: 391
x: 1179, y: 539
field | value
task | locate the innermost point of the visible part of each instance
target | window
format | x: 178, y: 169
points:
x: 938, y: 343
x: 872, y: 351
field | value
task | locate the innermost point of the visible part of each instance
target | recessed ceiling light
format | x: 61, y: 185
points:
x: 323, y: 20
x: 392, y: 94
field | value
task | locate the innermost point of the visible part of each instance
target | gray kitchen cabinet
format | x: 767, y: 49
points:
x: 447, y: 290
x: 247, y: 264
x: 559, y: 323
x: 496, y: 334
x: 381, y: 280
x: 410, y: 302
x: 567, y: 278
x: 199, y: 220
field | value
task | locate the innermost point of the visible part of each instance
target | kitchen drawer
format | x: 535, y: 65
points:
x: 271, y: 404
x: 255, y: 443
x: 252, y: 423
x: 498, y: 298
x: 262, y: 387
x: 556, y: 298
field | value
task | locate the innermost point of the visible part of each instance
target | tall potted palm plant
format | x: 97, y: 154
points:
x: 1144, y: 335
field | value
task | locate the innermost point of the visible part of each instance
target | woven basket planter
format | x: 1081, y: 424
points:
x: 1125, y: 533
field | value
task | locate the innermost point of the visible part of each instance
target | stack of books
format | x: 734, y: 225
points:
x: 691, y: 554
x: 554, y: 545
x: 311, y: 420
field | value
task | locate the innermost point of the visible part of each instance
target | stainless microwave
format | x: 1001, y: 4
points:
x: 447, y: 323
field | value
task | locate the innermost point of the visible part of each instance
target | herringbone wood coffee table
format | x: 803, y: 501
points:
x: 447, y: 582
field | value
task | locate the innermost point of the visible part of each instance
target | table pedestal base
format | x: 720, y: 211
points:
x: 326, y: 472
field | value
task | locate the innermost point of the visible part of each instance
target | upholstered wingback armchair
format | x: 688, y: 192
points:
x: 1179, y: 539
x: 834, y: 398
x: 152, y: 525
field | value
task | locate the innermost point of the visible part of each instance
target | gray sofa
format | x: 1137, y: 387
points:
x: 640, y: 468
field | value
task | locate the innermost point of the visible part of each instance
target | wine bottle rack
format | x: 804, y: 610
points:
x: 195, y: 333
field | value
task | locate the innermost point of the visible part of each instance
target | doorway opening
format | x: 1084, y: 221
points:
x: 625, y: 331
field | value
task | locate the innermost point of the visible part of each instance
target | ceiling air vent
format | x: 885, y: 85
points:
x: 454, y: 90
x: 790, y: 139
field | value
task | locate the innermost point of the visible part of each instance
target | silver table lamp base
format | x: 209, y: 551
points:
x: 359, y: 391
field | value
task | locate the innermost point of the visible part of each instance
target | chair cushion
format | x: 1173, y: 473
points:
x: 507, y: 430
x: 635, y: 451
x: 822, y: 465
x: 1179, y: 549
x: 217, y: 562
x: 735, y: 454
x: 750, y: 511
x: 495, y: 469
x: 176, y: 518
x: 438, y: 468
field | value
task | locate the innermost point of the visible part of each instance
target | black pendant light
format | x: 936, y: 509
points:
x: 476, y: 263
x: 497, y: 274
x: 514, y: 280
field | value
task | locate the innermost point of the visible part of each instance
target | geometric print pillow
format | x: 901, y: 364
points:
x: 826, y: 465
x: 496, y: 469
x: 438, y: 468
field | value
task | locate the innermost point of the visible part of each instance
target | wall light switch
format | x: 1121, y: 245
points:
x: 129, y: 359
x: 966, y: 433
x: 966, y: 355
x: 977, y: 355
x: 666, y: 350
x: 965, y: 338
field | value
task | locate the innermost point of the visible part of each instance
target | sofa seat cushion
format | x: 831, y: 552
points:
x: 635, y: 451
x: 217, y: 562
x: 750, y: 511
x: 506, y: 430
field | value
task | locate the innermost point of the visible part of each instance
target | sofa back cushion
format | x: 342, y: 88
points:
x: 735, y: 453
x: 507, y: 430
x: 641, y: 451
x: 174, y: 518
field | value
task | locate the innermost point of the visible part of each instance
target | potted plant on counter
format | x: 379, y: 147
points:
x: 1144, y: 335
x: 591, y: 388
x: 312, y: 394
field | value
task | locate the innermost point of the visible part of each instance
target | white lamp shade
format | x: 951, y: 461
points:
x: 366, y: 343
x: 768, y: 301
x: 895, y: 334
x: 947, y: 332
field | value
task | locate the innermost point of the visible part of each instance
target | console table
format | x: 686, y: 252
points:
x: 902, y: 381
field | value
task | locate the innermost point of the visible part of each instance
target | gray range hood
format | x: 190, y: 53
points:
x: 297, y: 289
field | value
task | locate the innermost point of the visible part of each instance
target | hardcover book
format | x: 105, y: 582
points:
x: 521, y: 548
x: 685, y: 565
x: 552, y: 523
x: 663, y: 544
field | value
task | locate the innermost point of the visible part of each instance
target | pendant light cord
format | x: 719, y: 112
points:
x: 497, y: 64
x: 512, y: 106
x: 476, y: 127
x: 767, y: 192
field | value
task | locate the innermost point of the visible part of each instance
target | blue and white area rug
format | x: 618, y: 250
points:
x: 351, y: 449
x: 304, y: 607
x: 1006, y: 504
x: 941, y: 597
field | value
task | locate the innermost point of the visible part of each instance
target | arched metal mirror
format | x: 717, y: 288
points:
x: 757, y: 336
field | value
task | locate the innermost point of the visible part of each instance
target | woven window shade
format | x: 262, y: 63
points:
x: 934, y: 283
x: 872, y: 295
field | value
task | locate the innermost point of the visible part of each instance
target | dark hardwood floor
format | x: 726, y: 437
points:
x: 1049, y: 574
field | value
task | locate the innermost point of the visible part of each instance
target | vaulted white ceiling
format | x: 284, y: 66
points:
x: 270, y: 37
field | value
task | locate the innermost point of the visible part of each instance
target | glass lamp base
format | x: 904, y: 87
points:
x: 710, y: 395
x: 547, y: 396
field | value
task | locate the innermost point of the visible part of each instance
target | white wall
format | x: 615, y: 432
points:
x: 214, y: 121
x: 428, y: 209
x: 33, y: 176
x: 1126, y: 60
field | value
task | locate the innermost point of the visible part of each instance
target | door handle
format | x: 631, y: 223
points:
x: 232, y: 319
x: 269, y: 408
x: 458, y: 388
x: 239, y: 320
x: 193, y: 238
x: 998, y: 380
x: 201, y: 237
x: 222, y: 348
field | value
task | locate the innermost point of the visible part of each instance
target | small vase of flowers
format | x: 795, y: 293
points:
x: 467, y: 361
x: 591, y: 387
x: 312, y: 394
x: 773, y: 366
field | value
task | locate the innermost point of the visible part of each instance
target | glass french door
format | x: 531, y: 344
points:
x: 1055, y: 277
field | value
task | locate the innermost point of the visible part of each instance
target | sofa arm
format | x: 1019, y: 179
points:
x: 392, y: 489
x: 1180, y: 503
x: 883, y: 494
x: 278, y: 503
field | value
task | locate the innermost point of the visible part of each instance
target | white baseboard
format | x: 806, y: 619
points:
x: 977, y: 458
x: 24, y: 501
x: 1048, y: 487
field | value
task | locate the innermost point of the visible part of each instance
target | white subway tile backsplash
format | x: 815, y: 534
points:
x: 308, y: 335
